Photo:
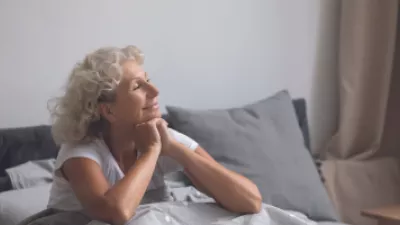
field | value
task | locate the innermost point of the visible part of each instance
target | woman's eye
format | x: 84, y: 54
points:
x: 137, y: 86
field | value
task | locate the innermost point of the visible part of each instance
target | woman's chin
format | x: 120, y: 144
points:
x: 149, y: 115
x: 154, y: 114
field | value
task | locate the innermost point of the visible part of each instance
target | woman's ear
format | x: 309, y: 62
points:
x: 106, y: 112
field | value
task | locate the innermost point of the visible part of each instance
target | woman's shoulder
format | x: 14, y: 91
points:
x: 95, y: 150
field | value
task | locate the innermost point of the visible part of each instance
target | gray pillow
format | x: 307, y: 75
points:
x: 263, y: 142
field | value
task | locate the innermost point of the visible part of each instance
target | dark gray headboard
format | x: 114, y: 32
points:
x: 301, y: 112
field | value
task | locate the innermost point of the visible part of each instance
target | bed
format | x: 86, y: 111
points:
x: 273, y: 132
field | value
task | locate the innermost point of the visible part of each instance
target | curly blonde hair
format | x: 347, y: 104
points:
x: 75, y: 115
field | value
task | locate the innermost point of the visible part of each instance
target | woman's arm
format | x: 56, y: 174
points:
x: 116, y: 204
x: 231, y: 190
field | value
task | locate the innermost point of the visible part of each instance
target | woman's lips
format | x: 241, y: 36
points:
x: 152, y: 106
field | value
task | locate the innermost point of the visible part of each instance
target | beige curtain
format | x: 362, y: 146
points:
x: 362, y: 163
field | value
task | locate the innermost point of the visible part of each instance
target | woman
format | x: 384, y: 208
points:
x: 112, y: 135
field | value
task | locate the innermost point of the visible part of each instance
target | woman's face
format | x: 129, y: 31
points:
x: 136, y: 98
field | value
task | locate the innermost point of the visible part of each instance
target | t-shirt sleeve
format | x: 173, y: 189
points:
x: 183, y: 139
x: 168, y: 164
x: 88, y: 151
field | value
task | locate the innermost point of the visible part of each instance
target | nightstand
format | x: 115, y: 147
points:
x: 387, y: 215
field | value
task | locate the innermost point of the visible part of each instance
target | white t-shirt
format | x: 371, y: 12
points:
x: 63, y: 197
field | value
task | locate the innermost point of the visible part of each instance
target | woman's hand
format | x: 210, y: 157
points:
x: 167, y: 140
x: 147, y: 136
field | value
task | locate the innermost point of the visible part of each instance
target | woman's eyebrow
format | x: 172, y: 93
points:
x: 136, y: 78
x: 139, y: 75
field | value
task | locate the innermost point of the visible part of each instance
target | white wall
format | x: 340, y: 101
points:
x: 201, y: 54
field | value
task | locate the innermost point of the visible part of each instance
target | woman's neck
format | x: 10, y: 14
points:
x: 120, y: 141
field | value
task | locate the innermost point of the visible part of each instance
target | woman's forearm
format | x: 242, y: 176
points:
x: 233, y: 191
x: 129, y: 191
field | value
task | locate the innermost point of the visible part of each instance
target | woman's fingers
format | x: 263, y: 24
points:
x: 147, y: 135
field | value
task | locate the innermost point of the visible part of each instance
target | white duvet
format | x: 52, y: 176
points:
x: 204, y: 213
x: 194, y: 210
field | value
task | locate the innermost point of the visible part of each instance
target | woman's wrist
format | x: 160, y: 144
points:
x: 154, y: 149
x: 180, y: 153
x: 173, y: 148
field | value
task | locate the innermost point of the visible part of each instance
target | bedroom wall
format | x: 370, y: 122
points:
x: 201, y: 54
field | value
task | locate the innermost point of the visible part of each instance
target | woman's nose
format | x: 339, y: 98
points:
x: 152, y: 91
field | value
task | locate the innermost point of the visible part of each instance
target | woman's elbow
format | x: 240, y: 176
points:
x: 254, y: 202
x: 255, y: 205
x: 112, y: 213
x: 121, y: 215
x: 249, y: 205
